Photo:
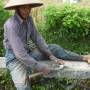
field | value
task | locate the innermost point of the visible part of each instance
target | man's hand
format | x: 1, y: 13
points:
x: 60, y: 61
x: 43, y: 68
x: 56, y: 60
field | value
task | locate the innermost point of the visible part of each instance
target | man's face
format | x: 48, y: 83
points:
x: 24, y: 11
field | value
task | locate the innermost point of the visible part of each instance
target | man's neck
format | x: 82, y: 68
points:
x: 23, y: 19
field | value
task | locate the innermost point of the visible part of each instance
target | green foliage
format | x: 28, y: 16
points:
x: 68, y: 21
x: 5, y: 80
x: 3, y: 17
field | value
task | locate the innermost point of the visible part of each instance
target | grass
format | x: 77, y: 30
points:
x: 81, y: 46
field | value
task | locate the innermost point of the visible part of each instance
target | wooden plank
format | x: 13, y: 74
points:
x: 2, y: 62
x: 71, y: 69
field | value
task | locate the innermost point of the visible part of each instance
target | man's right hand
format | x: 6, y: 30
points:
x: 43, y: 68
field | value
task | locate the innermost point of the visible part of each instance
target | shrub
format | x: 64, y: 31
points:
x: 66, y: 21
x: 5, y: 80
x: 3, y: 17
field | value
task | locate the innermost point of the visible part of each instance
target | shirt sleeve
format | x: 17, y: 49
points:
x: 17, y: 46
x: 39, y: 40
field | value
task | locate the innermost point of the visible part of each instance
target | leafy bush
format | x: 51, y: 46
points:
x: 67, y: 21
x: 3, y: 17
x: 5, y: 80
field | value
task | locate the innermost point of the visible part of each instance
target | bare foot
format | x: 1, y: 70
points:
x: 88, y: 61
x: 86, y: 58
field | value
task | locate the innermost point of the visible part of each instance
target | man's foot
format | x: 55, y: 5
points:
x: 86, y: 58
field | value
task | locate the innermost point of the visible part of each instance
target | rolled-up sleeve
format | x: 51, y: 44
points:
x: 17, y: 46
x: 39, y: 40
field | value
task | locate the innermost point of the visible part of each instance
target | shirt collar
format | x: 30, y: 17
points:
x: 20, y: 20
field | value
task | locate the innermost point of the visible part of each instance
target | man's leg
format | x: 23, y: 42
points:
x: 19, y: 75
x: 37, y: 55
x: 61, y: 53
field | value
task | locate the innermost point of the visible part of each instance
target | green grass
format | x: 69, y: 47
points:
x: 5, y: 80
x: 81, y: 46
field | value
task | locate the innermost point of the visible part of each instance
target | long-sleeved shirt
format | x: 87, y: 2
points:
x: 16, y: 35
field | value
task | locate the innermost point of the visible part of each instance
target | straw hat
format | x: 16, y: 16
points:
x: 12, y: 4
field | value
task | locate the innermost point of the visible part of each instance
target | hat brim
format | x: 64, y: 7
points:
x: 31, y: 5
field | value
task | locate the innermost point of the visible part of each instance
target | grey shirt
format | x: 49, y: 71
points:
x: 16, y: 35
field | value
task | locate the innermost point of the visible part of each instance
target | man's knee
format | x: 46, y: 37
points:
x: 55, y: 47
x: 21, y: 80
x: 19, y: 74
x: 19, y: 77
x: 23, y: 87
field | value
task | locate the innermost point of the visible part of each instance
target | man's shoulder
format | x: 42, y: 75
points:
x: 10, y: 22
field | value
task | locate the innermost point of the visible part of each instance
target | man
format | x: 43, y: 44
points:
x: 19, y: 58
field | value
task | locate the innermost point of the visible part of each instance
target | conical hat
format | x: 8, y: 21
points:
x: 12, y: 4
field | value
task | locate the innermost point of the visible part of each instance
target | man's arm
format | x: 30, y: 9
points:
x: 17, y: 46
x: 42, y: 45
x: 20, y: 52
x: 39, y: 40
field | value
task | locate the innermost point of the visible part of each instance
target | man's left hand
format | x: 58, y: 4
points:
x: 56, y: 60
x: 60, y: 61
